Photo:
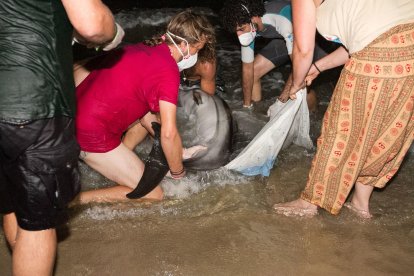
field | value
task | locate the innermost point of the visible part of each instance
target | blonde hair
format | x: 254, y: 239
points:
x: 192, y: 27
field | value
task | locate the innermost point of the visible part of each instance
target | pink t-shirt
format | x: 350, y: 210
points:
x: 127, y: 84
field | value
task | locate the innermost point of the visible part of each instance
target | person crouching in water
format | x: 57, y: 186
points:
x: 206, y: 73
x: 123, y: 93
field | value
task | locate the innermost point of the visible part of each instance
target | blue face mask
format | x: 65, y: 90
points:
x: 188, y: 60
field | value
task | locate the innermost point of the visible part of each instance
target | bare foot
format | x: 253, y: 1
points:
x: 365, y: 214
x: 298, y: 207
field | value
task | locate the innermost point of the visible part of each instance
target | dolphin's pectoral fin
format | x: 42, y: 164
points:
x: 197, y: 97
x: 156, y: 167
x: 154, y: 172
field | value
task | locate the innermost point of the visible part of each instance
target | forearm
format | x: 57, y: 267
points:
x: 91, y: 19
x: 170, y: 138
x: 247, y: 82
x: 288, y: 83
x: 304, y: 30
x: 338, y: 57
x: 173, y: 150
x: 301, y: 61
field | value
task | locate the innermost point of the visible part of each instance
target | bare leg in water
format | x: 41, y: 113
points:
x: 34, y: 252
x: 360, y: 200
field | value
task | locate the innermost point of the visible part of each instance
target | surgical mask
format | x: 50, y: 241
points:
x: 188, y: 60
x: 247, y: 38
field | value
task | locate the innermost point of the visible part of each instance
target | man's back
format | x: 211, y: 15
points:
x: 36, y: 79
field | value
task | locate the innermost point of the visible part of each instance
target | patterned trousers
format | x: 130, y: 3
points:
x: 369, y: 124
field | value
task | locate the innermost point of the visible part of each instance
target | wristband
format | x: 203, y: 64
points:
x: 119, y: 35
x: 177, y: 175
x: 314, y: 64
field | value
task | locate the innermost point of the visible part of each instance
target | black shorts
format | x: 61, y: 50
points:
x: 38, y: 171
x: 276, y: 52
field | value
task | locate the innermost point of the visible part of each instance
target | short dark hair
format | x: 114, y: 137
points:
x: 233, y: 14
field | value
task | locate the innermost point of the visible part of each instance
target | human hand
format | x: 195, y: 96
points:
x: 191, y: 151
x: 284, y: 96
x: 312, y: 74
x: 294, y: 89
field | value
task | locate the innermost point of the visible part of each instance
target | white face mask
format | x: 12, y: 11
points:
x: 188, y: 60
x: 247, y: 38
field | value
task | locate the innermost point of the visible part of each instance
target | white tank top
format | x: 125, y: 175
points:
x: 356, y: 23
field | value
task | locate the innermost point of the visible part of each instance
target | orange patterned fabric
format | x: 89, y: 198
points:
x: 369, y: 124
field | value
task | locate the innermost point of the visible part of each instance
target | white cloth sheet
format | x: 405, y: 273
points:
x: 289, y: 123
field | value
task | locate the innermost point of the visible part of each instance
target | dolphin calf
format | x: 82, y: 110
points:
x: 214, y: 129
x: 156, y: 167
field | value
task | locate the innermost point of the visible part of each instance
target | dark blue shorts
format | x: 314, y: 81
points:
x: 38, y: 171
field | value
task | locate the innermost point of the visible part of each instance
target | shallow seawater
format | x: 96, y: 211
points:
x: 221, y: 223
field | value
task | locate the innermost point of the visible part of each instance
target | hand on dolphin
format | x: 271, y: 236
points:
x: 188, y: 153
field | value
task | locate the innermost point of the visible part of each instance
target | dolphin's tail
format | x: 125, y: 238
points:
x: 156, y: 167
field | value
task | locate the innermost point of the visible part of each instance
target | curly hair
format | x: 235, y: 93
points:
x: 207, y: 53
x: 233, y: 13
x: 192, y: 27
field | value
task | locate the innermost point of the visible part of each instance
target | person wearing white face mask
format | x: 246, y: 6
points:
x: 247, y: 38
x: 205, y: 73
x: 188, y: 60
x: 271, y: 20
x: 120, y: 94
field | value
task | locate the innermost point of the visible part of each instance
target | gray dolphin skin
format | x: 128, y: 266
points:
x: 156, y: 167
x: 214, y: 128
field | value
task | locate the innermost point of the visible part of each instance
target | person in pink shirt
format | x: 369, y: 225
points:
x: 124, y: 92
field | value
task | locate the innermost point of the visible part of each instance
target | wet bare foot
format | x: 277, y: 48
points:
x: 298, y: 207
x: 365, y: 214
